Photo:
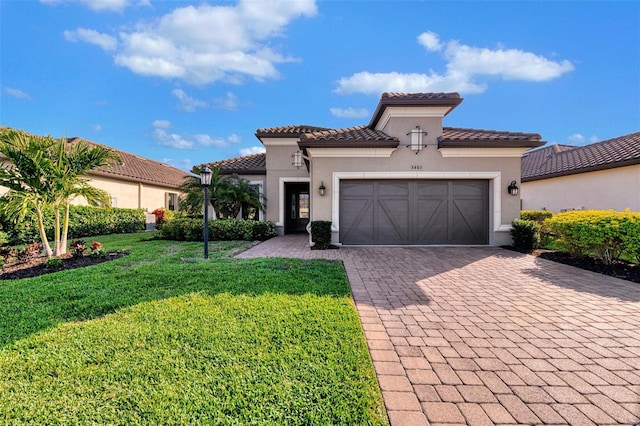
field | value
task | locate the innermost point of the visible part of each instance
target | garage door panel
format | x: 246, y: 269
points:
x: 393, y: 221
x: 414, y: 212
x: 357, y: 220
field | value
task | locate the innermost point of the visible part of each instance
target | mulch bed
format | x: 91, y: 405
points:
x: 619, y: 269
x: 36, y: 266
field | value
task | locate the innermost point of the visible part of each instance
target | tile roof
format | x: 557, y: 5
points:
x: 249, y: 164
x: 139, y: 169
x: 359, y: 136
x: 562, y: 160
x: 462, y: 137
x: 288, y: 131
x: 388, y: 99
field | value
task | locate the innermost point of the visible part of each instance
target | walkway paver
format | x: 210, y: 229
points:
x: 482, y: 335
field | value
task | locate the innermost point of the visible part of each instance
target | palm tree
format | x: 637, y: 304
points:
x: 25, y: 172
x: 72, y: 164
x: 228, y: 193
x: 41, y: 171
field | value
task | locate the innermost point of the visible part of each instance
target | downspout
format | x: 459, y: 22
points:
x: 139, y: 195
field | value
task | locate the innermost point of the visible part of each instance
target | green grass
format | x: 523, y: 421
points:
x: 163, y: 337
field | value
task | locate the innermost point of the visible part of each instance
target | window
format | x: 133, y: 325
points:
x: 171, y: 201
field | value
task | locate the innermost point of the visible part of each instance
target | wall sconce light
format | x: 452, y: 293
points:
x: 513, y: 189
x: 416, y: 139
x: 297, y: 159
x: 322, y: 189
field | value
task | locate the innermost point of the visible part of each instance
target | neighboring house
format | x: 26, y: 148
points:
x: 402, y: 179
x: 136, y: 182
x: 600, y: 176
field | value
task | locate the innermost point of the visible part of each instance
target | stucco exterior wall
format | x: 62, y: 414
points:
x: 131, y: 195
x: 280, y: 170
x: 615, y: 189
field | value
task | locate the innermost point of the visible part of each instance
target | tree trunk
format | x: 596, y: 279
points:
x: 65, y: 228
x: 43, y: 233
x: 56, y: 230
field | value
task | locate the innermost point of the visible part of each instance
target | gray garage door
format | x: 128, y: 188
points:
x: 414, y: 212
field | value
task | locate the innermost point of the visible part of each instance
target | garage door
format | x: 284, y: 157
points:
x: 414, y: 212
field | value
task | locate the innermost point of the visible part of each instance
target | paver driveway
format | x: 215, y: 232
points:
x: 482, y: 335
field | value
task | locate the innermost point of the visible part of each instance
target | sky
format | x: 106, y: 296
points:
x: 187, y: 82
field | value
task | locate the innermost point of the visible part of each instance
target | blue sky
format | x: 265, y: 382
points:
x: 189, y: 82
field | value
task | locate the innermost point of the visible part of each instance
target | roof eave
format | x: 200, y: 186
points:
x: 470, y: 143
x: 243, y: 172
x: 348, y: 144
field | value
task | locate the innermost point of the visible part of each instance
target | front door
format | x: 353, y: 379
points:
x: 296, y: 207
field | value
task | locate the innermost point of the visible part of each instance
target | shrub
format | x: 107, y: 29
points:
x: 84, y: 221
x: 78, y: 247
x: 321, y: 234
x: 183, y: 228
x: 538, y: 216
x: 53, y: 263
x: 525, y: 234
x: 605, y: 233
x: 30, y: 251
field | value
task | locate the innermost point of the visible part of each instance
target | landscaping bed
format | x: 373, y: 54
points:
x: 37, y: 266
x: 619, y: 269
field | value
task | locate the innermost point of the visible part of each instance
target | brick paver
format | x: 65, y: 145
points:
x: 482, y: 335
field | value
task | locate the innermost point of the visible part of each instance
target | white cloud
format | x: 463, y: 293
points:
x: 172, y: 140
x: 101, y: 5
x: 349, y: 112
x: 185, y: 164
x: 161, y: 124
x: 575, y: 139
x: 97, y: 128
x: 376, y: 83
x: 17, y: 93
x: 430, y: 40
x: 106, y: 42
x: 228, y: 102
x: 204, y: 44
x: 187, y: 103
x: 465, y: 67
x: 510, y: 64
x: 163, y: 137
x: 579, y: 139
x: 252, y: 150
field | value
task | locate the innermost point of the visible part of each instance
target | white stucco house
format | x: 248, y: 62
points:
x: 600, y: 176
x: 402, y: 179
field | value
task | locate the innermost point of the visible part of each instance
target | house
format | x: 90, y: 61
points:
x: 599, y: 176
x: 135, y: 182
x: 401, y: 179
x: 138, y: 182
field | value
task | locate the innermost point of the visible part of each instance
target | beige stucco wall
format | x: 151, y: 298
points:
x: 280, y: 170
x: 615, y: 189
x: 131, y: 194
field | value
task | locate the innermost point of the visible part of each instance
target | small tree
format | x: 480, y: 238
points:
x: 41, y: 171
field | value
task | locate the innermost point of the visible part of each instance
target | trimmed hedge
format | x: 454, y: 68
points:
x: 606, y: 233
x: 321, y: 234
x: 190, y: 229
x: 526, y: 235
x: 84, y: 221
x: 538, y: 216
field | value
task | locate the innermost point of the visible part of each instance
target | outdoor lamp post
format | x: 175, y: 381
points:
x: 205, y: 180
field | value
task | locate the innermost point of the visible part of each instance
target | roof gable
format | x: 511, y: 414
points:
x: 448, y: 100
x: 562, y: 160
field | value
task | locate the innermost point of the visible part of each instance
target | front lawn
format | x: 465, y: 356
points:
x: 163, y: 337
